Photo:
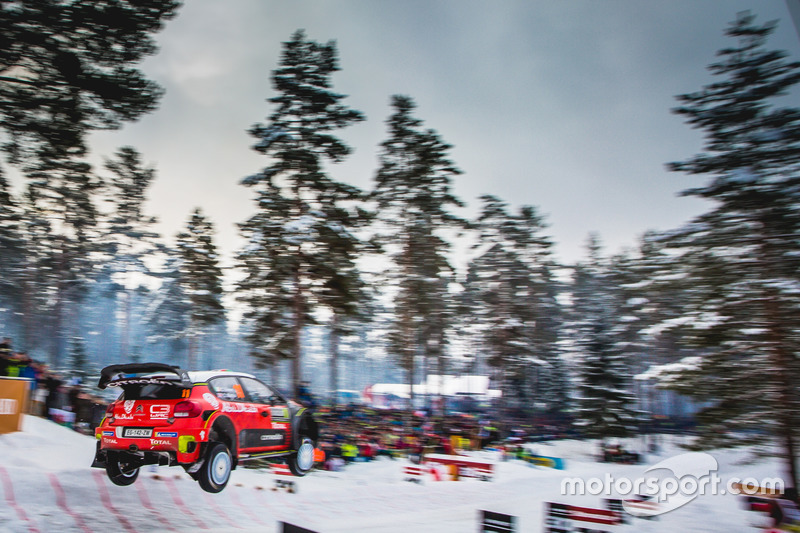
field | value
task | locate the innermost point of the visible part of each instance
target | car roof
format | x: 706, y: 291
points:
x: 204, y: 375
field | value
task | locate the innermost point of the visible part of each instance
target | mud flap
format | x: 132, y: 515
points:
x: 99, y: 457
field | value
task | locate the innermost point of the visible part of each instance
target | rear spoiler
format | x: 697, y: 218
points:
x: 116, y: 375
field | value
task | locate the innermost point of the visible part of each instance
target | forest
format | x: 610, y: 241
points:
x: 708, y: 310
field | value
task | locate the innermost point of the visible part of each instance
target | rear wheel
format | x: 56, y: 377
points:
x: 120, y: 472
x: 216, y: 469
x: 301, y: 462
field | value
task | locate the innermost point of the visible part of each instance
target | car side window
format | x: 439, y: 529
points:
x: 259, y: 392
x: 228, y: 389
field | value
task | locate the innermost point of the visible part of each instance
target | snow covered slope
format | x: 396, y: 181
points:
x: 46, y: 485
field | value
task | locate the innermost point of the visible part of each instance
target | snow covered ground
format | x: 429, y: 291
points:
x: 46, y: 485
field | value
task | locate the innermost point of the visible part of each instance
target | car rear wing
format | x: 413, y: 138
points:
x: 143, y: 373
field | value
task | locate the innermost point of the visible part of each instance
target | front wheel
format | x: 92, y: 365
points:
x: 301, y: 462
x: 216, y: 470
x: 120, y: 472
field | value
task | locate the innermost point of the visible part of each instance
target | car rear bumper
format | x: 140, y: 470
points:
x: 183, y: 447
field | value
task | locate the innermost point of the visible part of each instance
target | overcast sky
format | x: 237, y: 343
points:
x: 564, y: 105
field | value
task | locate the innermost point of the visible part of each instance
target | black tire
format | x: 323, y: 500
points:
x: 302, y: 461
x: 119, y: 472
x: 216, y: 470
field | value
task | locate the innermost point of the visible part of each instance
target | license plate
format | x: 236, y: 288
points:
x: 137, y: 432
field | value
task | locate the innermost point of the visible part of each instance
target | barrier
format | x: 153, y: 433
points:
x: 562, y: 518
x: 413, y: 473
x: 291, y: 528
x: 463, y: 466
x: 542, y: 460
x: 13, y: 402
x: 280, y: 469
x: 492, y: 522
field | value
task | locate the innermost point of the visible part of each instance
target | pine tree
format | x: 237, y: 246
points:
x: 413, y: 195
x: 37, y: 275
x: 128, y: 239
x: 300, y: 243
x: 744, y: 310
x: 79, y: 360
x: 65, y: 191
x: 510, y: 295
x: 66, y: 68
x: 167, y: 313
x: 200, y: 279
x: 605, y: 403
x: 12, y: 257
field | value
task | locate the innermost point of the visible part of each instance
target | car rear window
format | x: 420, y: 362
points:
x: 153, y: 391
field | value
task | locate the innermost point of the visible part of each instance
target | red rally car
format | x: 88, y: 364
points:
x: 206, y: 422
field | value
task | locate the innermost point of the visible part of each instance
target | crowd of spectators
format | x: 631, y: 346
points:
x: 360, y: 433
x: 347, y: 433
x: 52, y: 395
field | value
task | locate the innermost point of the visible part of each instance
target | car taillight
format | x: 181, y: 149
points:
x: 187, y: 409
x: 110, y: 409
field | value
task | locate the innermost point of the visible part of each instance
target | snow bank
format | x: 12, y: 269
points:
x: 44, y: 471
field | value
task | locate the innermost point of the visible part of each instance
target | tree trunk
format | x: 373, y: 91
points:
x: 334, y: 348
x: 298, y: 331
x: 785, y: 410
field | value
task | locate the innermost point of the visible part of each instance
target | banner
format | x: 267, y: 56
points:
x: 13, y: 401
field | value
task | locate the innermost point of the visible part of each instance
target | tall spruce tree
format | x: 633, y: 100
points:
x: 300, y: 243
x: 36, y: 277
x: 200, y: 280
x: 744, y: 310
x: 12, y: 257
x: 167, y: 313
x: 128, y: 238
x: 510, y: 295
x: 414, y: 198
x: 605, y: 402
x: 66, y: 190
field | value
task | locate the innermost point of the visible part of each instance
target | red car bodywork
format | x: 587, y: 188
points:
x: 168, y: 416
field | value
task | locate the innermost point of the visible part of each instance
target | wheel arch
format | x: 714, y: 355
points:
x: 304, y: 424
x: 223, y: 430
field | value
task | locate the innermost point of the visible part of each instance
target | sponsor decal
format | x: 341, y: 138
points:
x: 257, y: 438
x: 280, y: 426
x: 128, y: 405
x: 167, y: 434
x: 279, y: 412
x: 8, y: 406
x: 108, y: 433
x: 237, y: 408
x: 124, y: 417
x: 106, y: 440
x: 159, y: 411
x: 140, y: 409
x: 211, y: 399
x: 159, y: 442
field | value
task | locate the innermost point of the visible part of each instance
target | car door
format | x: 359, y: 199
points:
x: 272, y: 430
x: 235, y: 404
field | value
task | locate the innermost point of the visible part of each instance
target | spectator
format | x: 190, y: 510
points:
x: 53, y: 386
x: 5, y: 355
